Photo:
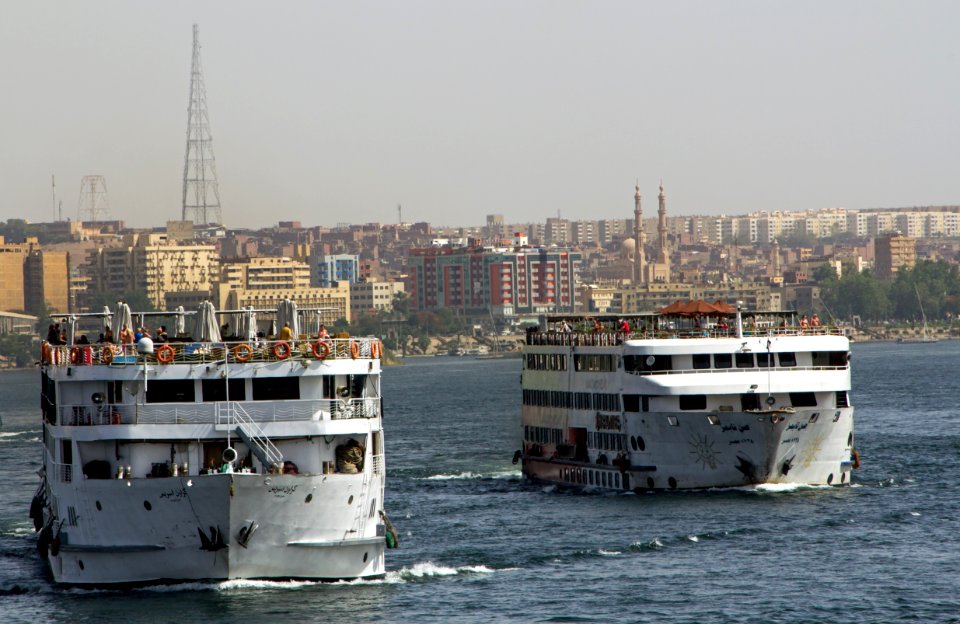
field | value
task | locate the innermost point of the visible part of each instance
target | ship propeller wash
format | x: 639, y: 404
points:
x: 209, y: 457
x: 679, y: 400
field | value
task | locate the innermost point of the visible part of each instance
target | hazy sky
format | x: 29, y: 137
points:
x: 329, y: 112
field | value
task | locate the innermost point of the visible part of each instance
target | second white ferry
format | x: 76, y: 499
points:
x: 676, y: 401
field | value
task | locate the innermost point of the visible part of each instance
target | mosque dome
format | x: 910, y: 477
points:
x: 628, y: 248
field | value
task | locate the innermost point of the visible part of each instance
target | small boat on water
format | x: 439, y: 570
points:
x: 924, y: 337
x: 668, y: 401
x: 203, y: 457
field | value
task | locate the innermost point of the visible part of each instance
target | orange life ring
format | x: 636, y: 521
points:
x: 321, y: 350
x: 281, y: 350
x: 45, y: 352
x: 76, y: 356
x: 165, y: 354
x: 354, y: 349
x: 242, y: 352
x: 856, y: 459
x: 107, y: 356
x: 375, y: 349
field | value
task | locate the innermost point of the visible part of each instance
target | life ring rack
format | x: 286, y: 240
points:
x: 281, y: 350
x: 321, y: 350
x: 242, y: 352
x: 165, y: 354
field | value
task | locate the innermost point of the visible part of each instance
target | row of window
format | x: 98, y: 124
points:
x: 572, y: 400
x: 547, y: 361
x: 653, y: 363
x: 542, y: 435
x: 601, y: 440
x: 583, y: 476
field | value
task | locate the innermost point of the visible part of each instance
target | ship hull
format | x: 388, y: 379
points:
x: 217, y: 527
x: 677, y: 451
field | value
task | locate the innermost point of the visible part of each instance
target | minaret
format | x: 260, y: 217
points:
x: 638, y: 237
x: 201, y: 195
x: 663, y: 256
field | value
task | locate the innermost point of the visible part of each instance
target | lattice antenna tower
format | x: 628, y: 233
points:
x: 201, y: 194
x: 93, y: 205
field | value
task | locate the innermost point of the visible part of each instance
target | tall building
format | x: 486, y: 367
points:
x: 12, y: 257
x: 46, y: 278
x: 151, y: 264
x: 261, y: 273
x: 477, y: 282
x: 373, y: 295
x: 327, y: 270
x: 892, y: 253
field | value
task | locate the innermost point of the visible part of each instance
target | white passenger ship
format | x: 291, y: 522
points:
x: 665, y: 404
x: 205, y: 459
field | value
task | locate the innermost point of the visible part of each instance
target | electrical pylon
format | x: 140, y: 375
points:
x: 201, y: 194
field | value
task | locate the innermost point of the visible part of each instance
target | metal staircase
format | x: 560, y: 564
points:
x: 250, y: 432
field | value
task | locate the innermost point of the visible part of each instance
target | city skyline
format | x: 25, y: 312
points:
x: 323, y: 112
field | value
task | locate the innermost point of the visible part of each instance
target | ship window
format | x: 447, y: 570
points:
x: 722, y: 360
x: 647, y: 363
x: 631, y: 402
x: 744, y: 360
x: 701, y: 360
x: 749, y: 401
x: 276, y: 388
x: 171, y: 391
x: 693, y: 401
x: 803, y: 399
x: 216, y: 390
x: 788, y: 358
x: 764, y: 359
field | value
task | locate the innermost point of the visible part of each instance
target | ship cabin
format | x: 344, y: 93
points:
x: 275, y: 395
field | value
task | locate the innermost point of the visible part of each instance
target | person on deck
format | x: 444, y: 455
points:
x: 286, y: 334
x: 126, y: 336
x: 804, y: 323
x: 323, y: 334
x: 107, y: 335
x: 815, y: 320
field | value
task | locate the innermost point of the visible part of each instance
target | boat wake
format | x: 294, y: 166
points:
x: 468, y: 475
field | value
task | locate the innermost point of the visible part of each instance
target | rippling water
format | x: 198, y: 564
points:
x: 479, y: 544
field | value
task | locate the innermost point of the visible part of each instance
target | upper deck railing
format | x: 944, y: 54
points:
x: 108, y: 354
x: 616, y: 338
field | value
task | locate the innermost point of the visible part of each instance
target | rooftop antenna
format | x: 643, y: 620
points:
x: 53, y: 190
x: 201, y: 194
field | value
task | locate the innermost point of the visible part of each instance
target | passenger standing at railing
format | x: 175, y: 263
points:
x: 161, y: 334
x: 286, y: 334
x: 323, y: 334
x: 126, y: 336
x: 815, y: 320
x: 53, y: 336
x: 107, y: 335
x: 804, y: 323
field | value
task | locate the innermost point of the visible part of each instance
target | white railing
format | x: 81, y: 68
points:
x: 378, y: 464
x: 205, y: 413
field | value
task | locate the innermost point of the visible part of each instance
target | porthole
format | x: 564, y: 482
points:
x: 633, y: 442
x: 843, y: 477
x: 80, y: 563
x: 350, y: 500
x: 850, y: 439
x: 147, y: 505
x: 650, y: 482
x: 641, y: 445
x: 364, y: 557
x: 99, y: 506
x: 830, y: 479
x: 309, y: 497
x: 672, y: 483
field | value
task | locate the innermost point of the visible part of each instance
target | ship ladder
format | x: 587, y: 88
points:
x: 253, y: 436
x: 362, y: 497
